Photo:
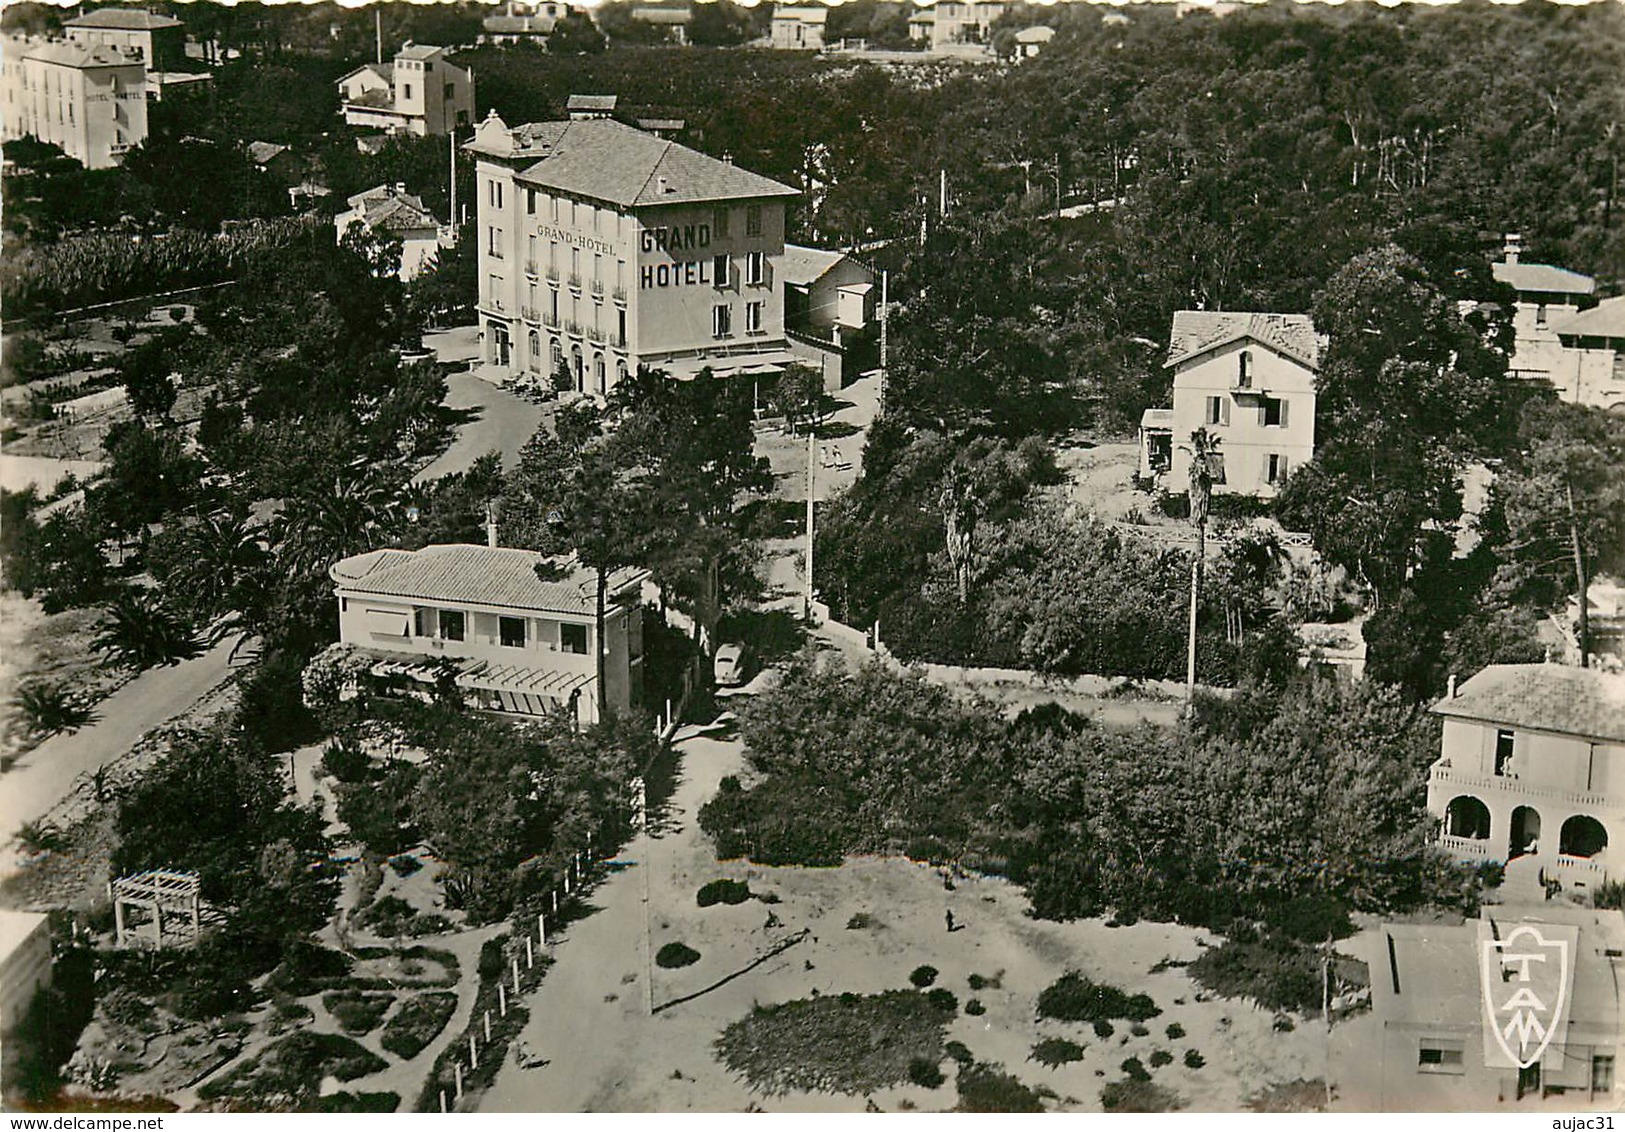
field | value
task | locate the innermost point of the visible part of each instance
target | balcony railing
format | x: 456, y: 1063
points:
x: 594, y: 334
x: 572, y: 327
x: 1465, y: 846
x: 495, y: 304
x: 575, y: 283
x: 1585, y: 866
x: 530, y: 314
x: 1445, y: 775
x: 551, y: 321
x: 530, y: 268
x: 618, y: 341
x: 596, y: 288
x: 552, y: 275
x: 619, y: 295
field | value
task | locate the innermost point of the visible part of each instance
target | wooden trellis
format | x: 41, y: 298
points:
x: 170, y: 901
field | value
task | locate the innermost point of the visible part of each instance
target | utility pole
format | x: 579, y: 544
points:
x: 812, y: 475
x: 1583, y: 627
x: 452, y: 134
x: 942, y: 208
x: 885, y: 310
x: 1190, y: 658
x: 378, y: 17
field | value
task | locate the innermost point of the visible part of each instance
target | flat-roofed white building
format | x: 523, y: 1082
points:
x: 799, y: 27
x: 419, y: 92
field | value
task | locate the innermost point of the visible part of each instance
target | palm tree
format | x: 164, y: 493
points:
x: 1204, y: 450
x: 140, y: 633
x: 322, y: 523
x: 221, y: 571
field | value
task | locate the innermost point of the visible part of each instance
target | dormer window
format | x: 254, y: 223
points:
x: 1244, y: 370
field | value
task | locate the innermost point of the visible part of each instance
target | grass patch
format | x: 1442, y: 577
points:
x: 1139, y: 1095
x: 844, y: 1043
x: 1293, y: 1096
x: 722, y: 892
x: 357, y: 1013
x: 923, y: 976
x: 293, y: 1068
x: 988, y: 1088
x: 417, y: 1023
x: 1073, y: 998
x: 358, y: 1102
x: 1054, y: 1052
x: 674, y: 955
x: 1276, y: 972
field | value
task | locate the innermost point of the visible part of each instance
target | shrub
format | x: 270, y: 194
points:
x: 405, y: 865
x: 1138, y: 1095
x: 1194, y: 1060
x: 1161, y: 1057
x: 979, y: 982
x: 357, y: 1013
x: 1073, y: 998
x: 1139, y: 1030
x: 1276, y: 972
x: 308, y: 967
x: 1175, y: 1031
x: 419, y: 1020
x: 47, y: 709
x: 294, y: 1065
x: 859, y: 921
x: 975, y: 1008
x: 722, y: 891
x: 959, y: 1051
x: 988, y: 1088
x: 675, y: 954
x: 1134, y: 1070
x: 1054, y: 1052
x: 1310, y: 918
x: 346, y: 762
x: 357, y: 1102
x: 1609, y: 894
x: 1103, y: 1028
x: 493, y: 960
x: 943, y: 999
x: 923, y: 976
x: 924, y: 1071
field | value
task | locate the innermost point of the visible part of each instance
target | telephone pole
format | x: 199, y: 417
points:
x: 885, y: 310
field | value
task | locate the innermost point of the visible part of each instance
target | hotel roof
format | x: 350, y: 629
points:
x: 601, y: 159
x: 122, y: 19
x: 1199, y: 332
x: 479, y: 575
x: 1605, y: 320
x: 1546, y: 697
x: 79, y: 56
x: 1543, y: 278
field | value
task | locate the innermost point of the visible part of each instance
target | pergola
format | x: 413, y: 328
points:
x: 154, y: 893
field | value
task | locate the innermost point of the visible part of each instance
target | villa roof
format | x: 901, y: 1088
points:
x: 1157, y: 418
x: 1546, y: 697
x: 81, y: 57
x: 803, y: 13
x: 518, y: 25
x: 1038, y: 33
x: 465, y: 573
x: 122, y: 19
x: 604, y: 103
x: 602, y: 159
x: 262, y: 152
x: 1543, y: 278
x: 419, y: 51
x: 1199, y: 332
x: 385, y: 71
x: 802, y: 266
x: 1605, y: 320
x: 662, y: 15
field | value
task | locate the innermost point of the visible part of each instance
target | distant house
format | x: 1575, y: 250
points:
x: 522, y: 23
x: 1591, y: 367
x: 799, y: 27
x: 579, y: 107
x: 672, y: 22
x: 1545, y: 295
x: 158, y: 41
x: 1030, y: 41
x: 25, y: 964
x: 1532, y: 772
x: 829, y: 311
x: 1248, y: 379
x: 957, y: 22
x: 1428, y: 1048
x: 921, y: 26
x: 270, y: 156
x: 391, y: 212
x: 88, y: 99
x: 420, y: 92
x: 518, y: 644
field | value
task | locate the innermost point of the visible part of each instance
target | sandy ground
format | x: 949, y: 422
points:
x: 1100, y: 479
x: 590, y: 1018
x: 50, y: 649
x: 18, y: 472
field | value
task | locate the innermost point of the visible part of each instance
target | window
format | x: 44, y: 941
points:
x: 1504, y: 743
x: 493, y: 284
x: 496, y: 194
x: 573, y: 638
x: 753, y: 220
x: 1244, y: 370
x: 406, y: 91
x: 721, y: 271
x: 555, y: 201
x: 451, y: 624
x: 1540, y: 315
x: 1273, y: 414
x: 719, y: 224
x: 1217, y: 411
x: 753, y: 318
x: 620, y: 333
x: 1215, y: 465
x: 423, y: 622
x: 530, y: 252
x: 1439, y: 1055
x: 756, y: 269
x: 494, y: 246
x: 721, y: 321
x: 1275, y: 470
x: 530, y: 203
x: 511, y: 631
x: 1602, y: 1073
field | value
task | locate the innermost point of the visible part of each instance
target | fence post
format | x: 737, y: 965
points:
x: 473, y: 1053
x: 530, y: 954
x: 488, y: 1027
x: 555, y: 895
x: 502, y: 1004
x: 442, y: 1100
x: 541, y: 926
x: 516, y: 975
x: 457, y: 1067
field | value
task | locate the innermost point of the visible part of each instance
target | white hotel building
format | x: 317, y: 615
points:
x: 607, y: 248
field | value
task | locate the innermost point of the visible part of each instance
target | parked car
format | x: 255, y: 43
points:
x: 731, y: 665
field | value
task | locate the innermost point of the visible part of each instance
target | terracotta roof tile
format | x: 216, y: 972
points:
x: 1197, y: 332
x: 478, y: 575
x: 1545, y: 697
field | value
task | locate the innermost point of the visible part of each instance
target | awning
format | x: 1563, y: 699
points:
x: 389, y: 623
x: 768, y: 361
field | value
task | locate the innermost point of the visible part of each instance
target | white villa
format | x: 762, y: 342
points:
x: 522, y: 644
x: 1249, y: 379
x: 1532, y: 771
